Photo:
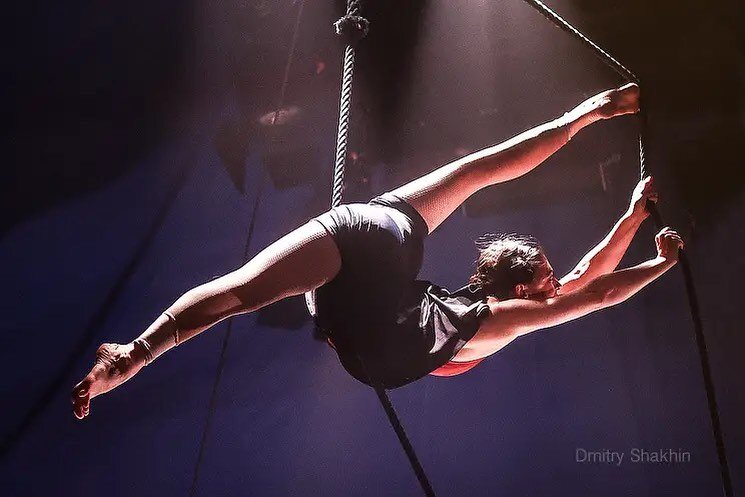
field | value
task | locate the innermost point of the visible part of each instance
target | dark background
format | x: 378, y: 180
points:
x: 139, y: 168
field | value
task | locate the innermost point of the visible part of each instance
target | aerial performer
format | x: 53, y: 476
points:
x: 362, y: 261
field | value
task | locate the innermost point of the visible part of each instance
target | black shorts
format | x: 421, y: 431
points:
x: 381, y: 245
x: 388, y: 327
x: 381, y: 242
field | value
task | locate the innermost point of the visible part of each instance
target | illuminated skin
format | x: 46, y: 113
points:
x: 592, y: 285
x: 603, y: 258
x: 544, y: 285
x: 308, y: 257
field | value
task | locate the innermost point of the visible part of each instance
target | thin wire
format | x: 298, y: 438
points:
x: 223, y: 352
x: 259, y: 194
x: 288, y: 65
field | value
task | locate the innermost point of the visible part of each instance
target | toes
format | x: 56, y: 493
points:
x: 81, y: 408
x: 104, y: 376
x: 81, y: 398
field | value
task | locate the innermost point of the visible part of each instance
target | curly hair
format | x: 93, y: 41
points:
x: 505, y: 260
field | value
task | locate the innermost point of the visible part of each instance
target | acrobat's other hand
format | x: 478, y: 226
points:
x: 623, y: 100
x: 668, y: 244
x: 645, y: 190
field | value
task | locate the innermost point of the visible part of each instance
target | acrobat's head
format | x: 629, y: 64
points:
x: 514, y: 266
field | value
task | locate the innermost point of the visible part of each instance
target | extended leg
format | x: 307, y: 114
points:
x: 436, y: 195
x: 299, y: 262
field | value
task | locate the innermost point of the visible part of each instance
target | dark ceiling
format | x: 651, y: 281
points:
x: 95, y: 86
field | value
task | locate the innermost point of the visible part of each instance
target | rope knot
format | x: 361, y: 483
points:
x: 352, y: 28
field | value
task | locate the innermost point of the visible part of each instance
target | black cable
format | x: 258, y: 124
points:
x: 685, y: 266
x: 249, y: 237
x: 385, y: 401
x: 223, y: 350
x: 288, y: 65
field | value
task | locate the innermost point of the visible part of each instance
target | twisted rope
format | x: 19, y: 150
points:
x: 353, y: 27
x: 385, y: 401
x: 249, y: 237
x: 683, y: 259
x: 343, y: 130
x: 609, y: 60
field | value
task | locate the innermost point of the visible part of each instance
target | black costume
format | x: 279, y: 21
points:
x: 383, y: 322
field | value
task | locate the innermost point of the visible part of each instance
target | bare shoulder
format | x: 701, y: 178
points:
x: 520, y: 316
x: 510, y: 319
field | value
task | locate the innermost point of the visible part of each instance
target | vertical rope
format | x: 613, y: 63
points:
x: 683, y: 259
x: 643, y: 173
x: 288, y: 64
x: 698, y: 331
x: 343, y: 130
x: 354, y: 28
x: 223, y: 353
x: 642, y: 134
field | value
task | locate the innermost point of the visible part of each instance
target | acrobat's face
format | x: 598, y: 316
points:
x: 544, y: 286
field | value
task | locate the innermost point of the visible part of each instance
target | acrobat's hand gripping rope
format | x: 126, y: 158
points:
x: 684, y: 264
x: 352, y: 28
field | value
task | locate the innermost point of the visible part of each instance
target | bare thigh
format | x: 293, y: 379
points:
x: 300, y: 261
x: 437, y: 194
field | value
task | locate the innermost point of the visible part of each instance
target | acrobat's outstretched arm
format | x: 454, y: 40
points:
x: 607, y: 254
x: 512, y: 318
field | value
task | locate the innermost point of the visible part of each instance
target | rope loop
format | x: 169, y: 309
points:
x: 352, y: 28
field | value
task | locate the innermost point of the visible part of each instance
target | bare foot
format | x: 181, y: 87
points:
x: 114, y: 365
